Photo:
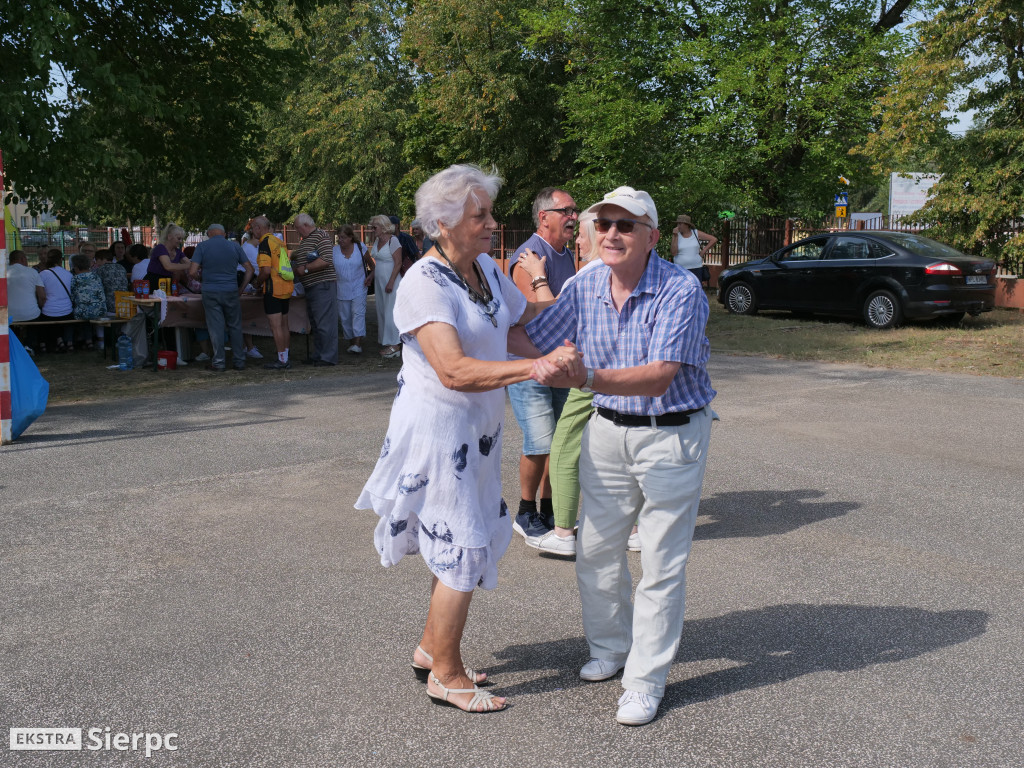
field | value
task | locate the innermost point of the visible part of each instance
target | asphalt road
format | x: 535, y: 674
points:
x: 191, y: 563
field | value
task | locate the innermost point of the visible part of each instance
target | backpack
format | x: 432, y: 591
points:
x: 284, y: 264
x: 410, y: 253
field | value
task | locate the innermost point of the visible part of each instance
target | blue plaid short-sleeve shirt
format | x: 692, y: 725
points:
x: 663, y: 319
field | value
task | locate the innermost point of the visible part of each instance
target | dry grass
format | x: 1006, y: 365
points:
x: 992, y: 344
x: 84, y: 376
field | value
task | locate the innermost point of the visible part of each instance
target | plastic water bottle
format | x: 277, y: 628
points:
x: 124, y: 353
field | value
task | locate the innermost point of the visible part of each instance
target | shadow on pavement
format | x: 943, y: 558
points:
x: 764, y: 513
x: 782, y: 642
x: 766, y: 645
x: 146, y: 429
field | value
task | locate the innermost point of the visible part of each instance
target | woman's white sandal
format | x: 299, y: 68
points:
x: 486, y: 698
x: 478, y: 678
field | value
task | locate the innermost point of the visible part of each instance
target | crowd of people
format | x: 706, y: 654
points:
x: 333, y: 271
x: 606, y: 372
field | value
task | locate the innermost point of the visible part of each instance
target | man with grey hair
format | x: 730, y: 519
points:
x: 537, y: 407
x: 313, y: 263
x: 639, y: 322
x: 219, y: 260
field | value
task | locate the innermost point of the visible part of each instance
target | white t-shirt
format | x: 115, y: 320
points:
x: 351, y: 272
x: 688, y: 251
x: 57, y: 282
x: 21, y: 293
x: 251, y: 252
x: 139, y: 270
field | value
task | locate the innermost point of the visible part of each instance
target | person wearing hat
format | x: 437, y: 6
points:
x: 639, y: 324
x: 686, y: 247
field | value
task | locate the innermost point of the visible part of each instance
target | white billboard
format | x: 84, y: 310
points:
x: 909, y: 191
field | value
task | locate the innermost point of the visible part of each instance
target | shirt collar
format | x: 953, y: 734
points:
x: 553, y: 249
x: 649, y: 280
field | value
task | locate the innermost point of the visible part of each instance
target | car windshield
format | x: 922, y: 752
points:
x: 923, y: 246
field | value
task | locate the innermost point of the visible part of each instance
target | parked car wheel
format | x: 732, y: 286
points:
x: 882, y: 310
x: 740, y: 299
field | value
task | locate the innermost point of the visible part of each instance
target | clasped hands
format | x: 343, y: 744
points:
x: 562, y: 367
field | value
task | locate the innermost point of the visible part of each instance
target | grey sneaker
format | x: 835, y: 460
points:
x: 527, y: 525
x: 553, y: 544
x: 599, y: 669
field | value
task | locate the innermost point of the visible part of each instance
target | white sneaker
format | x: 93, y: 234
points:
x: 599, y: 669
x: 181, y: 362
x: 553, y: 544
x: 202, y: 357
x: 633, y: 545
x: 355, y: 349
x: 253, y: 353
x: 637, y: 708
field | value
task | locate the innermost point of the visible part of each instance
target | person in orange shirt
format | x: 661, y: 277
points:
x: 275, y: 289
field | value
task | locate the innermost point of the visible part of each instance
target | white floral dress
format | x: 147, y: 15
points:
x: 437, y: 484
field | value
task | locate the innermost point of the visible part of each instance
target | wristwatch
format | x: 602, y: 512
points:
x: 589, y: 383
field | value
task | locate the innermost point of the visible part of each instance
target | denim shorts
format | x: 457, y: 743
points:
x: 537, y: 409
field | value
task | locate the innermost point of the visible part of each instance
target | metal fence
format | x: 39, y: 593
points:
x: 739, y: 239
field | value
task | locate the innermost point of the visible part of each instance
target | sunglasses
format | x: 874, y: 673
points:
x: 625, y: 226
x: 569, y: 212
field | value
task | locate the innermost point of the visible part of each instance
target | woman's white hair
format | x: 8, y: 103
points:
x: 442, y: 198
x: 586, y: 221
x: 170, y: 230
x: 382, y: 221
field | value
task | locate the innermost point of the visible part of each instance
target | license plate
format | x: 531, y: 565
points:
x: 976, y: 279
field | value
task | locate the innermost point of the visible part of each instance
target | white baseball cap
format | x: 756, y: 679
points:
x: 636, y: 201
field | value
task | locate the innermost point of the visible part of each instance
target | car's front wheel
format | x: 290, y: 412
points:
x: 740, y: 299
x: 882, y: 310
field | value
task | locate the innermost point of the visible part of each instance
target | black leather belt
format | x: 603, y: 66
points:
x: 676, y: 419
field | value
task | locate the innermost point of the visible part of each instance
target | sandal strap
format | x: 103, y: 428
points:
x: 471, y: 673
x: 482, y: 697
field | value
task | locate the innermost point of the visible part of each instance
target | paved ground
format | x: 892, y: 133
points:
x: 191, y: 563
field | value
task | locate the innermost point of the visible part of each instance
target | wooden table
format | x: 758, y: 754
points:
x: 187, y: 312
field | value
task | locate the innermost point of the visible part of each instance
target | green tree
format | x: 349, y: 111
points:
x: 113, y: 108
x: 335, y: 142
x: 969, y: 56
x: 722, y: 103
x: 488, y: 92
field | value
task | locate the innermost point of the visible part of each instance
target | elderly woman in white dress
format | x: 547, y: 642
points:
x: 351, y: 262
x: 437, y: 484
x: 386, y: 252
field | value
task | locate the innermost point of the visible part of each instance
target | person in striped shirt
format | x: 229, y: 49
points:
x: 313, y: 262
x: 639, y: 323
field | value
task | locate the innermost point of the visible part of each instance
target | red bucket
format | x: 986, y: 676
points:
x: 167, y: 361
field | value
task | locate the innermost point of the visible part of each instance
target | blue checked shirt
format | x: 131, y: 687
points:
x: 663, y: 319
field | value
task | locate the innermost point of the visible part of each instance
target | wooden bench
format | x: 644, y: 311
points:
x: 103, y: 321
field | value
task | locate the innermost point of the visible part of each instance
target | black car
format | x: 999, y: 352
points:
x: 883, y: 277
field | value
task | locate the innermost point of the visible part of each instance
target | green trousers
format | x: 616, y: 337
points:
x: 564, y: 463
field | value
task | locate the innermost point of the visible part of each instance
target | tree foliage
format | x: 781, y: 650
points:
x: 487, y: 94
x: 969, y: 56
x: 723, y: 103
x: 114, y: 108
x: 335, y: 140
x: 343, y: 109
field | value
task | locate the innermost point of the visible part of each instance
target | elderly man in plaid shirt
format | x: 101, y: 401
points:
x: 639, y: 322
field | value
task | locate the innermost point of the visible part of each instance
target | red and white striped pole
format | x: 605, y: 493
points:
x: 5, y: 346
